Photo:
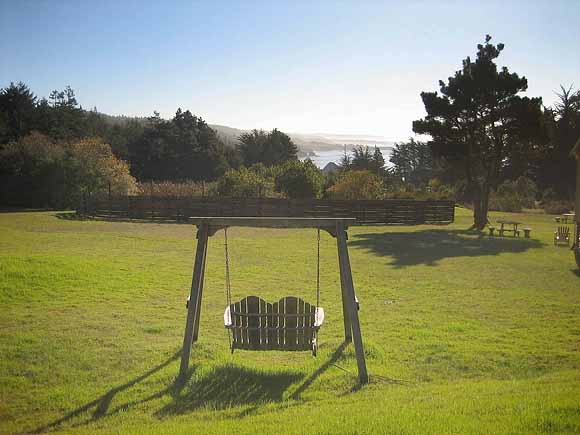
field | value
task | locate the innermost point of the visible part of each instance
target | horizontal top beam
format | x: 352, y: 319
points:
x: 272, y: 222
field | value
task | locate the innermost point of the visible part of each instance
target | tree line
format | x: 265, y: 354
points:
x: 486, y: 145
x: 40, y: 137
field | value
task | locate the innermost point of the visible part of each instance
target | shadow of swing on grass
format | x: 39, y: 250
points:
x: 223, y: 387
x: 429, y: 246
x: 229, y: 386
x: 99, y: 407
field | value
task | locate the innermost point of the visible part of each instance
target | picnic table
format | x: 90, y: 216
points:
x: 565, y: 217
x: 512, y: 227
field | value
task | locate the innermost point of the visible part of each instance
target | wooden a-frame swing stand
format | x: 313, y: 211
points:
x: 337, y: 227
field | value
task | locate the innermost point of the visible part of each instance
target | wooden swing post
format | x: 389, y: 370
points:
x: 194, y: 306
x: 337, y: 227
x: 349, y: 300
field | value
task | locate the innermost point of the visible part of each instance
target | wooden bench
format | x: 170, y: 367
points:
x: 516, y: 233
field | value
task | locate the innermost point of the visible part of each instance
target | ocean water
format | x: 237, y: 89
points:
x: 323, y: 157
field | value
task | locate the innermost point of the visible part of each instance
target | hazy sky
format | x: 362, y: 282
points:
x: 327, y: 66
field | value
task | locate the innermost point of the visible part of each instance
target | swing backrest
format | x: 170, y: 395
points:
x: 289, y: 324
x: 562, y: 233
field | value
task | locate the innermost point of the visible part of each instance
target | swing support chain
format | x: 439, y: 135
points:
x: 228, y: 284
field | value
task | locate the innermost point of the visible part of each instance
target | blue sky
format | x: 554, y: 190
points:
x: 327, y: 66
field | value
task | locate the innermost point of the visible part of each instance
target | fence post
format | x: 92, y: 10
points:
x: 110, y: 204
x: 151, y: 200
x: 83, y: 207
x: 420, y: 212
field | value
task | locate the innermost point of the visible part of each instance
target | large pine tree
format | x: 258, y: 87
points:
x: 478, y: 119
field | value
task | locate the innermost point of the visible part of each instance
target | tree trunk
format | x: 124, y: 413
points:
x: 480, y: 207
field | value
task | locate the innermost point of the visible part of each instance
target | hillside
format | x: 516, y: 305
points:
x: 307, y: 143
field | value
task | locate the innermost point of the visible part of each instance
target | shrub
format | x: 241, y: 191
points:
x: 39, y: 172
x: 505, y: 202
x: 526, y: 190
x: 558, y: 207
x: 357, y: 185
x: 434, y: 184
x: 186, y: 189
x: 297, y: 179
x: 512, y: 196
x: 97, y: 170
x: 242, y: 182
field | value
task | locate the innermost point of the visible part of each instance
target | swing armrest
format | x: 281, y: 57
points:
x: 319, y: 317
x: 227, y: 318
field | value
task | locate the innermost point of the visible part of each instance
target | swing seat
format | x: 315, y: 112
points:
x: 290, y: 324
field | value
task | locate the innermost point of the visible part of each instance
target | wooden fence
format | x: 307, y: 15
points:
x: 389, y: 211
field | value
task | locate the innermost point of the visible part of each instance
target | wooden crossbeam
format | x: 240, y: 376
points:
x: 271, y: 222
x: 216, y: 223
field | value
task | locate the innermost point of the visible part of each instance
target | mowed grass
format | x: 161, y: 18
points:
x: 463, y: 333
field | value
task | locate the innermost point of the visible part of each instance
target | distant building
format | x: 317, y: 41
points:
x: 331, y: 168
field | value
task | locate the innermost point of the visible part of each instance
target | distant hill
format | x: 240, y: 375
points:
x: 228, y: 135
x: 307, y: 144
x: 122, y: 119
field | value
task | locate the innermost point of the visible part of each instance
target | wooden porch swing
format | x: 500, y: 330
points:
x: 291, y: 324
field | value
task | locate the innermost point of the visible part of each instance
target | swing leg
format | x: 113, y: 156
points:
x: 194, y: 298
x: 349, y: 299
x: 345, y: 313
x: 199, y: 297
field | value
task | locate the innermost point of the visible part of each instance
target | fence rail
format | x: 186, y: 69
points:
x: 389, y: 211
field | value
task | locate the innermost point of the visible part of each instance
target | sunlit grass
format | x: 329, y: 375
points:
x: 463, y: 333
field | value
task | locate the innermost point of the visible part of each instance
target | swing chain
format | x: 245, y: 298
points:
x: 318, y: 275
x: 228, y: 286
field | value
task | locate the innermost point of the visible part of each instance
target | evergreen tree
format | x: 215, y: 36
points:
x: 270, y: 148
x: 17, y: 112
x: 476, y: 121
x: 377, y: 162
x: 182, y: 148
x: 556, y: 169
x: 412, y: 162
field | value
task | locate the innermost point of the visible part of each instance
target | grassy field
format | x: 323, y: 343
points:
x: 463, y: 333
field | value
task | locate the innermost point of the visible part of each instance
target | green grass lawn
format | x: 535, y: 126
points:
x: 463, y: 333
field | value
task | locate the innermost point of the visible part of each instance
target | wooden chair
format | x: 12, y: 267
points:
x: 561, y: 236
x: 289, y: 324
